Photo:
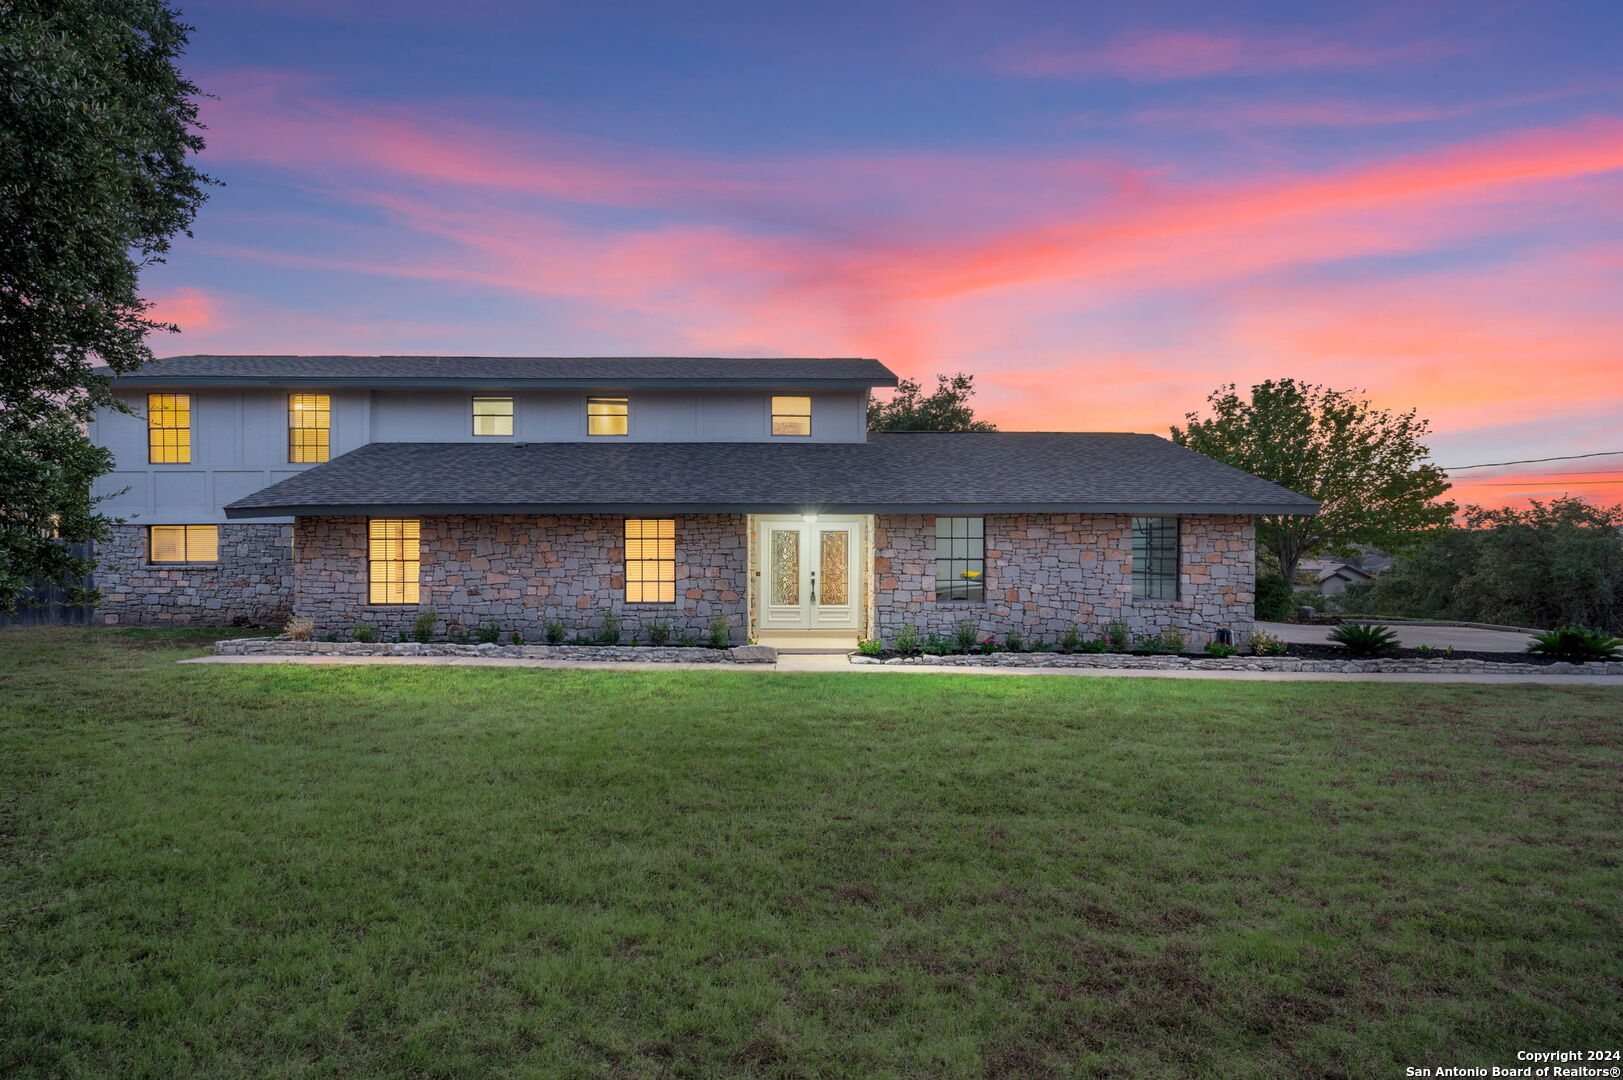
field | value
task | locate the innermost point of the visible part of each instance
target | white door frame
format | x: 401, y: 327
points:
x: 811, y: 587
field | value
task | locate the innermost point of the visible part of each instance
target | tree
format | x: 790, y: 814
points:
x: 946, y: 408
x: 1367, y: 467
x: 96, y: 129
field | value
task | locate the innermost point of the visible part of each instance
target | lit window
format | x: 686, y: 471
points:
x: 394, y: 560
x: 791, y: 416
x: 183, y: 543
x: 650, y: 560
x: 607, y: 416
x: 960, y: 558
x: 309, y: 427
x: 1155, y: 558
x: 493, y: 416
x: 169, y: 429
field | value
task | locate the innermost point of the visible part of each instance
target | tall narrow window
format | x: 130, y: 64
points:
x: 169, y: 429
x: 650, y: 560
x: 183, y: 543
x: 791, y: 416
x: 1155, y: 558
x: 493, y: 416
x: 960, y: 558
x: 608, y: 416
x: 394, y: 560
x: 309, y: 427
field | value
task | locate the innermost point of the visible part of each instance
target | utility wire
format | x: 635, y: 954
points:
x: 1531, y: 461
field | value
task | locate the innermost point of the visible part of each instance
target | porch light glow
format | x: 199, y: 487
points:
x: 808, y: 517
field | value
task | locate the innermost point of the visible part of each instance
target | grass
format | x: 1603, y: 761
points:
x: 279, y: 871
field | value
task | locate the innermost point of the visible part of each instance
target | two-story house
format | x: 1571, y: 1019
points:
x: 526, y: 490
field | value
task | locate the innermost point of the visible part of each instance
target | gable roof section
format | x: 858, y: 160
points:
x: 895, y: 472
x: 552, y: 371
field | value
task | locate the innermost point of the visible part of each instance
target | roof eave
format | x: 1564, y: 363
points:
x: 376, y: 383
x: 417, y: 509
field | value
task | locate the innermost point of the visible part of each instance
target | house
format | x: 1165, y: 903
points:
x: 1331, y: 576
x: 522, y: 490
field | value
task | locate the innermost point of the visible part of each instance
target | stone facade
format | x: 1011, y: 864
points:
x: 250, y: 585
x: 520, y: 571
x: 1048, y: 572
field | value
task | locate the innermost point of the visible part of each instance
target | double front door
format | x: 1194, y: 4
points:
x: 810, y: 577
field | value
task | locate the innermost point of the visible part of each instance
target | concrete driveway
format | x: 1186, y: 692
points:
x: 1411, y: 635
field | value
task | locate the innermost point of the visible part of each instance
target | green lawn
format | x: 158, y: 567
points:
x: 282, y: 871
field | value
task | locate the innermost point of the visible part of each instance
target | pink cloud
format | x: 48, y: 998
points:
x: 191, y: 309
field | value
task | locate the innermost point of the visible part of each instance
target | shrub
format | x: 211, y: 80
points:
x: 363, y: 633
x: 1425, y: 650
x: 659, y: 632
x: 1042, y: 646
x: 720, y: 635
x: 488, y: 634
x: 935, y: 645
x: 517, y: 638
x: 990, y: 645
x: 1273, y: 597
x: 963, y: 636
x: 1014, y: 641
x: 459, y: 636
x: 582, y: 639
x: 870, y: 646
x: 1576, y: 644
x: 1174, y: 640
x: 1117, y: 634
x: 1098, y: 645
x: 555, y: 631
x: 299, y: 628
x: 1158, y: 643
x: 609, y: 632
x: 1220, y: 650
x: 1262, y: 643
x: 422, y: 629
x: 907, y: 640
x: 1365, y: 639
x: 1070, y: 640
x: 330, y: 635
x: 688, y: 640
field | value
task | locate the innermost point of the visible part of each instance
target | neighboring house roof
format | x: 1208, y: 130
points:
x: 893, y: 472
x: 1323, y: 569
x: 552, y: 371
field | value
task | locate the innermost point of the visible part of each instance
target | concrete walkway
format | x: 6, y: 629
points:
x: 801, y: 664
x: 1411, y: 635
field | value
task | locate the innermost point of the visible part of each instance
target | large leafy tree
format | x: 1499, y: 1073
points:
x: 946, y: 408
x: 1368, y: 467
x: 97, y: 129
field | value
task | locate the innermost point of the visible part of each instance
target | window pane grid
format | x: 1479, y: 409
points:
x: 608, y: 416
x: 169, y: 429
x: 650, y: 560
x: 183, y: 543
x: 960, y: 559
x: 791, y: 416
x: 1155, y: 558
x: 493, y: 416
x: 309, y: 425
x: 394, y: 560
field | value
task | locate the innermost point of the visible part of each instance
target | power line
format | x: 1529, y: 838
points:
x: 1553, y: 484
x: 1531, y: 461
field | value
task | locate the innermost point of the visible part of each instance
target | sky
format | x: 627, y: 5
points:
x: 1102, y: 211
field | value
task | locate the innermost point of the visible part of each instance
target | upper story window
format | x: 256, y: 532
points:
x: 960, y: 558
x: 393, y: 560
x: 1155, y: 558
x: 169, y: 429
x: 791, y: 416
x: 608, y: 416
x: 183, y: 543
x: 493, y: 416
x: 309, y: 427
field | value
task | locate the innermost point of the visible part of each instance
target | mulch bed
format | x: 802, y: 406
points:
x: 1339, y: 652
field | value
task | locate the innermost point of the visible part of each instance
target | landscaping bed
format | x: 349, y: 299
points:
x: 1296, y: 657
x: 646, y: 654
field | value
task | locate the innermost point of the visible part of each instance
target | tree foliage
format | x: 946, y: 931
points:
x: 1367, y: 467
x: 96, y: 131
x: 1558, y: 563
x: 946, y: 408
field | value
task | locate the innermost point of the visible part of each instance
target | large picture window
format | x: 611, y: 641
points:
x: 960, y: 558
x: 650, y: 560
x: 394, y: 560
x: 183, y: 543
x: 791, y: 416
x: 493, y: 416
x: 309, y: 427
x: 169, y: 429
x: 608, y: 416
x: 1155, y: 558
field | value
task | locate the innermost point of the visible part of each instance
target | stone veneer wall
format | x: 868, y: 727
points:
x: 519, y: 571
x: 252, y: 584
x: 1047, y: 572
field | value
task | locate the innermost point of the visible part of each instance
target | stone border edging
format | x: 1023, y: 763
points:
x: 1251, y: 663
x: 645, y: 654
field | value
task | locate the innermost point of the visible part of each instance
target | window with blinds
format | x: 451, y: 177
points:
x: 493, y: 416
x: 650, y: 560
x: 394, y: 560
x: 169, y: 429
x: 183, y: 543
x: 608, y: 416
x: 791, y: 416
x: 309, y: 427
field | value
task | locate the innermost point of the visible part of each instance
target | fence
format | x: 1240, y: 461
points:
x: 47, y: 605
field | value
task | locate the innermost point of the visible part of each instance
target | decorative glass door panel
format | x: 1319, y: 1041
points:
x: 785, y: 556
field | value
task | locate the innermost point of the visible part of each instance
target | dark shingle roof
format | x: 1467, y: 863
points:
x: 512, y: 370
x: 918, y: 472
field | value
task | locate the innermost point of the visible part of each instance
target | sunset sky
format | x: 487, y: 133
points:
x: 1102, y: 211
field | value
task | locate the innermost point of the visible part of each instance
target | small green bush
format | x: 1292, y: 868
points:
x: 517, y: 638
x: 1262, y: 643
x: 720, y: 635
x: 1159, y: 643
x: 1365, y: 639
x: 422, y: 628
x: 331, y: 635
x: 907, y: 640
x: 688, y: 640
x: 1273, y: 597
x: 460, y: 636
x: 555, y: 631
x: 609, y: 632
x: 1174, y: 640
x: 363, y: 633
x: 659, y: 632
x: 1071, y: 640
x: 1098, y: 645
x: 488, y: 634
x: 1220, y: 650
x: 870, y: 646
x: 965, y: 637
x: 1014, y: 640
x: 1117, y: 634
x: 582, y: 639
x: 1042, y: 646
x: 1576, y: 644
x: 935, y: 645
